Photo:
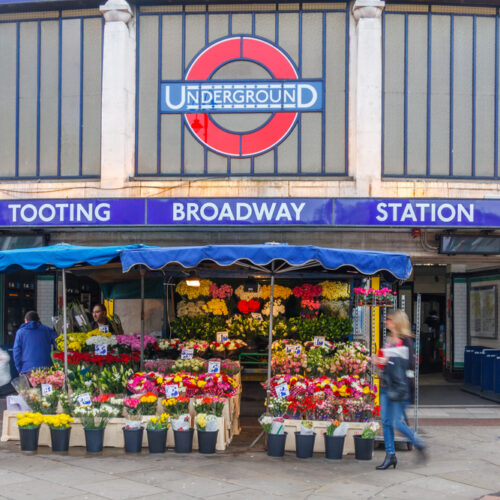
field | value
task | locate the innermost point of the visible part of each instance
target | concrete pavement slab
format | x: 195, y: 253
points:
x: 118, y: 489
x: 201, y: 487
x: 452, y: 488
x: 39, y: 489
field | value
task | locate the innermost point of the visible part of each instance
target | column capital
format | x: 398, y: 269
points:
x: 116, y: 11
x: 367, y: 9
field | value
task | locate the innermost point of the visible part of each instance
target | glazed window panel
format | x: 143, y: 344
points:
x: 50, y: 97
x: 448, y: 118
x: 315, y: 43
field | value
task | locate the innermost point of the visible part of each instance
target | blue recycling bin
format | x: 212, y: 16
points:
x: 477, y: 358
x: 488, y: 361
x: 496, y: 375
x: 469, y: 362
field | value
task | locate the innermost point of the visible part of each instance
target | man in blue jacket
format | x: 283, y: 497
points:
x: 33, y: 343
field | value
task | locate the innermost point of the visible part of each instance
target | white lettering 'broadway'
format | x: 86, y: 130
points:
x: 239, y: 211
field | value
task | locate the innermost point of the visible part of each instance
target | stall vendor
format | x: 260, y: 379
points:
x: 100, y: 315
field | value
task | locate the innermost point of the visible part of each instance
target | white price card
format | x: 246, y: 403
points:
x: 187, y: 353
x: 84, y: 399
x: 319, y: 341
x: 104, y: 328
x: 222, y: 337
x: 289, y: 349
x: 80, y: 319
x: 282, y: 390
x: 47, y: 389
x: 214, y: 367
x: 101, y: 350
x: 298, y: 349
x: 172, y: 391
x: 257, y: 316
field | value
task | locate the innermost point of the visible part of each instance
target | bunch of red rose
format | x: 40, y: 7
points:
x: 248, y: 306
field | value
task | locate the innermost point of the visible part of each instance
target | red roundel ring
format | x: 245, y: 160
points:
x: 257, y: 141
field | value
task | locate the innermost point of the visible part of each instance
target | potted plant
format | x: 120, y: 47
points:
x: 206, y: 425
x: 334, y: 441
x: 29, y: 429
x: 60, y: 430
x: 157, y: 433
x: 304, y: 440
x: 133, y: 430
x: 274, y: 428
x: 363, y: 444
x: 94, y: 421
x: 181, y: 423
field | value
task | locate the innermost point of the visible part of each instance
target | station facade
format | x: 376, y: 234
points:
x: 364, y: 125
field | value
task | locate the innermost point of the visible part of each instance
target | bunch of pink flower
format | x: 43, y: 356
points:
x: 134, y: 341
x: 144, y: 382
x: 288, y: 364
x: 350, y: 359
x: 221, y: 292
x: 47, y: 376
x: 307, y: 291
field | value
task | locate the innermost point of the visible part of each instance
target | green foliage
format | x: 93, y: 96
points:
x: 198, y: 327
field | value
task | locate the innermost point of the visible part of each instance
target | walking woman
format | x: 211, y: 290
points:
x: 393, y: 360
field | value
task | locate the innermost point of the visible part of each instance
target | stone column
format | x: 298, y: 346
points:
x: 118, y: 94
x: 366, y: 111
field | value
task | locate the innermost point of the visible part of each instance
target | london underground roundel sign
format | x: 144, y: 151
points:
x: 284, y: 95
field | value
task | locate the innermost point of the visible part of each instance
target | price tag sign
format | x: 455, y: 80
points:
x: 187, y: 353
x: 222, y: 337
x: 282, y: 390
x: 101, y: 350
x: 257, y: 316
x: 84, y: 399
x: 172, y: 391
x: 289, y: 349
x: 298, y: 349
x: 47, y: 389
x: 80, y: 319
x: 104, y: 328
x: 214, y: 367
x: 319, y: 341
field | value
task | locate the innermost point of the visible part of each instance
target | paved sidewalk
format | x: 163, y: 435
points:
x: 464, y: 463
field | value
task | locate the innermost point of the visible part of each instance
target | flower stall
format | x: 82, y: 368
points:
x: 314, y: 374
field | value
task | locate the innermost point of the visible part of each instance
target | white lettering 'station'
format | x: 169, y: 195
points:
x: 240, y: 211
x: 424, y: 212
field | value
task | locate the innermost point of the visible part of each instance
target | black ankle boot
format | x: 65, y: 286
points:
x: 389, y: 460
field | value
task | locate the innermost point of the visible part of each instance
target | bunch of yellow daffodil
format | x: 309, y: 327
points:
x: 60, y: 421
x: 29, y: 420
x: 159, y: 423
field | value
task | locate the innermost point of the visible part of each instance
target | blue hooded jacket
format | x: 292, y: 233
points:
x: 32, y: 346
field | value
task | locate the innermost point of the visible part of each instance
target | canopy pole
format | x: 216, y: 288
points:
x: 270, y: 340
x: 142, y: 318
x: 65, y: 328
x: 165, y: 306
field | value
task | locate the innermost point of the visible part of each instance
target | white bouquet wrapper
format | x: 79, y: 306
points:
x: 133, y: 424
x: 277, y: 427
x: 341, y: 430
x: 211, y: 423
x: 181, y: 423
x: 305, y: 431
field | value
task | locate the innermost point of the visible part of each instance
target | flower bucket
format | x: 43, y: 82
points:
x: 133, y: 439
x: 276, y: 444
x: 363, y: 448
x: 334, y: 447
x: 207, y: 441
x: 60, y: 439
x: 29, y: 438
x: 184, y: 441
x: 94, y: 439
x: 157, y: 440
x: 304, y: 445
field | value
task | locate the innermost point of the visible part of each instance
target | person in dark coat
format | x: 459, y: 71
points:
x: 32, y: 347
x: 100, y: 315
x: 393, y: 360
